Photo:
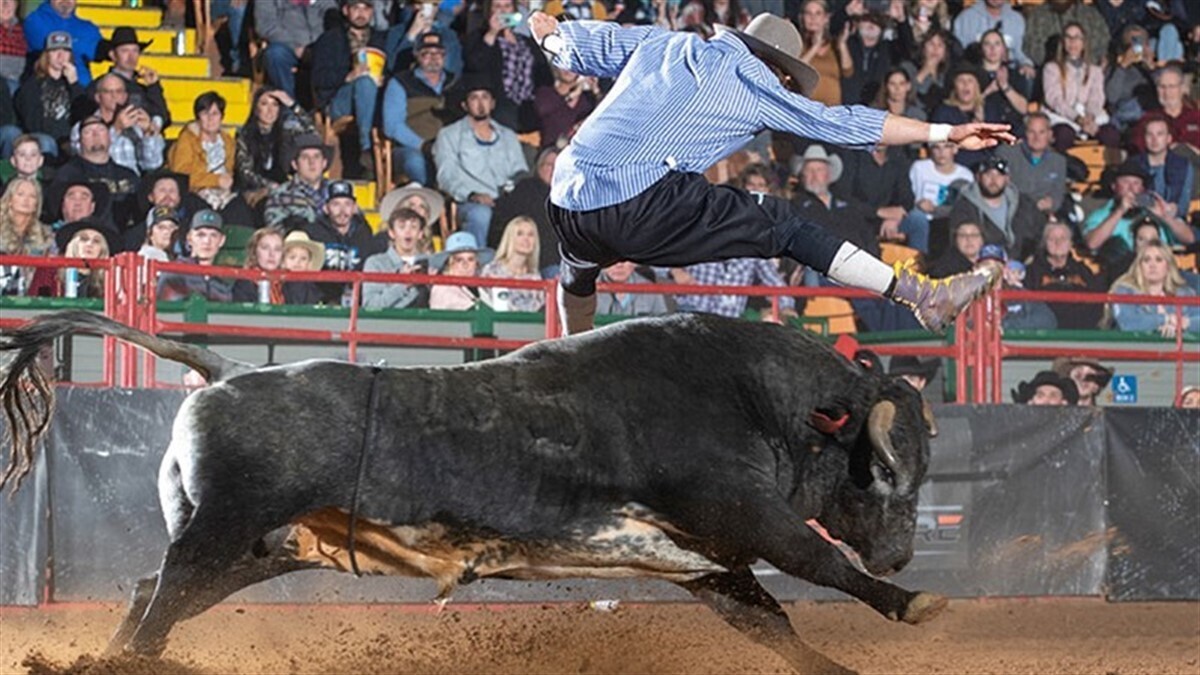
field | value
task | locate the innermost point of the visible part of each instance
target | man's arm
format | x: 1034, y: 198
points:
x: 595, y: 48
x: 450, y: 175
x: 268, y: 23
x: 395, y: 116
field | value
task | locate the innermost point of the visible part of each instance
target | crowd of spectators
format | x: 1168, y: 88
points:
x: 475, y: 117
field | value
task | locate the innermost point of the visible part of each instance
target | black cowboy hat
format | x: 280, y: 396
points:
x: 1025, y: 390
x: 57, y: 190
x: 966, y: 68
x: 777, y: 41
x: 64, y: 234
x: 911, y: 365
x: 306, y: 141
x: 123, y: 35
x: 1063, y: 365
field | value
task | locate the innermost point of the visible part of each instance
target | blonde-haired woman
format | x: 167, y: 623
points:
x: 516, y: 258
x: 1154, y: 272
x: 1073, y: 88
x: 87, y: 239
x: 21, y: 233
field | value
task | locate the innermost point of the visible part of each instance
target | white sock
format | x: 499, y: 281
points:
x: 853, y: 266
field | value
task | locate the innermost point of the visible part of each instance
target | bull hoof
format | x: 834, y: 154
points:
x: 923, y: 607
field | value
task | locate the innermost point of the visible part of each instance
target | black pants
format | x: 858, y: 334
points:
x: 683, y: 220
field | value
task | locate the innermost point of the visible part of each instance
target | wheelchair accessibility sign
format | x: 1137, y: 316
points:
x: 1125, y: 389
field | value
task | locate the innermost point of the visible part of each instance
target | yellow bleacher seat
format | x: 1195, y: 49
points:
x: 185, y: 89
x: 162, y: 41
x: 837, y: 311
x: 374, y: 219
x: 167, y: 66
x: 892, y: 253
x: 121, y: 16
x: 1091, y: 154
x: 364, y: 194
x: 103, y: 3
x: 181, y: 110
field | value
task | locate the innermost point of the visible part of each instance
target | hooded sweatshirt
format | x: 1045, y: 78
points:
x: 1022, y: 222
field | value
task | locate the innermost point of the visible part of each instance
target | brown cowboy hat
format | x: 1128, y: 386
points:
x: 776, y: 40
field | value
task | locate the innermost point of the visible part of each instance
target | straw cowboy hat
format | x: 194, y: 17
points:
x: 316, y: 250
x: 776, y: 40
x: 817, y: 153
x: 433, y: 199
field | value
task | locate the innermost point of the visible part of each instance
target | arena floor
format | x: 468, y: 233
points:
x: 1074, y: 636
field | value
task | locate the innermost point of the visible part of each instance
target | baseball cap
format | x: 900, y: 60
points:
x: 58, y: 40
x: 341, y: 189
x: 207, y: 218
x: 993, y: 252
x: 164, y: 213
x: 992, y: 162
x: 429, y: 40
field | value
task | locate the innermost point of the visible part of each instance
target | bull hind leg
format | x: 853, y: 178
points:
x: 741, y: 601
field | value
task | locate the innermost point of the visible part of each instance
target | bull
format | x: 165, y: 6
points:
x: 682, y: 448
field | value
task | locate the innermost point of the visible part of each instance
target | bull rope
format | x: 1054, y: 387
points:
x: 367, y: 441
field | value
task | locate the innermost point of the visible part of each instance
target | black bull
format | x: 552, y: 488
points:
x: 683, y: 448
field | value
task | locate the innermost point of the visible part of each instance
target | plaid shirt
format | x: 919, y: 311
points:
x: 734, y: 272
x: 294, y: 198
x: 12, y: 40
x: 132, y: 148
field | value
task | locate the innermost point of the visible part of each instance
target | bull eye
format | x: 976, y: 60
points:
x: 885, y: 473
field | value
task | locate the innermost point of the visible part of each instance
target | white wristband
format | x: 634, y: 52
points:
x: 939, y: 133
x: 553, y: 43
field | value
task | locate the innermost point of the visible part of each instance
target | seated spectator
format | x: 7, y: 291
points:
x: 973, y: 22
x: 871, y: 57
x: 758, y: 177
x: 1154, y: 272
x: 817, y: 171
x: 477, y: 158
x: 265, y: 142
x: 564, y: 105
x: 59, y: 16
x: 1189, y: 398
x: 168, y: 189
x: 1018, y: 314
x: 1128, y: 89
x: 897, y: 95
x: 346, y: 235
x: 1045, y: 24
x: 1047, y: 388
x: 965, y: 104
x: 461, y: 258
x: 1053, y: 268
x: 343, y: 85
x: 69, y: 201
x: 1089, y: 376
x: 429, y: 204
x: 732, y: 272
x: 878, y: 179
x: 1006, y: 88
x: 913, y: 370
x: 510, y: 66
x: 414, y: 106
x: 1109, y: 229
x: 125, y: 52
x: 21, y: 233
x: 966, y: 240
x: 516, y: 258
x: 13, y: 46
x: 1004, y: 215
x: 205, y: 237
x: 1073, y: 88
x: 269, y: 251
x: 1037, y: 170
x: 527, y: 199
x: 831, y: 59
x: 288, y: 28
x: 628, y: 304
x: 1181, y: 113
x: 302, y: 197
x: 135, y: 142
x: 1169, y: 174
x: 45, y: 100
x: 94, y: 164
x: 933, y: 184
x: 930, y: 82
x: 412, y: 22
x: 90, y: 240
x: 408, y: 254
x: 9, y: 131
x: 161, y: 234
x: 25, y: 162
x: 206, y: 153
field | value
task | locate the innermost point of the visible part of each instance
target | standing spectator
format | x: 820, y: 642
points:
x: 930, y: 81
x: 1128, y: 88
x: 161, y: 234
x: 288, y: 28
x: 346, y: 236
x: 134, y: 141
x: 95, y: 165
x: 1036, y: 169
x: 343, y: 84
x: 269, y: 251
x: 13, y: 46
x: 1047, y: 388
x: 563, y: 106
x: 477, y: 157
x: 461, y: 258
x: 511, y: 67
x: 265, y: 142
x: 628, y: 304
x: 733, y: 272
x: 516, y: 258
x: 1004, y: 215
x: 1180, y: 113
x: 59, y: 16
x: 830, y: 59
x: 1045, y: 24
x: 414, y: 106
x: 125, y: 52
x: 1074, y: 91
x: 303, y: 196
x: 871, y: 58
x: 527, y: 199
x: 1170, y: 175
x: 21, y: 233
x: 928, y: 17
x: 1053, y: 268
x: 1109, y: 229
x: 934, y: 192
x: 205, y: 237
x: 45, y: 100
x: 1089, y: 375
x: 407, y: 254
x: 1005, y: 89
x: 206, y: 153
x: 90, y: 240
x: 26, y: 160
x: 1154, y: 272
x: 974, y: 21
x: 878, y: 179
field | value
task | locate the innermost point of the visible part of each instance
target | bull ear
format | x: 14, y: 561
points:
x: 879, y: 428
x: 930, y: 422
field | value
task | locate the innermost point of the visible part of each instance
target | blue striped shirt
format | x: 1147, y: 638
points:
x: 679, y: 103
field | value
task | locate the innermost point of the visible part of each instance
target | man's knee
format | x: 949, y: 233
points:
x: 577, y: 279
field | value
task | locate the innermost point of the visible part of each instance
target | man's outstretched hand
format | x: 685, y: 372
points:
x: 981, y: 135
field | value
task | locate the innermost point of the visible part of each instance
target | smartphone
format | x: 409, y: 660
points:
x: 511, y: 20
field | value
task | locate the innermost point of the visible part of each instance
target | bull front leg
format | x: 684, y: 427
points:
x: 741, y: 601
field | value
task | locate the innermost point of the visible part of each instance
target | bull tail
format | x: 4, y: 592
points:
x: 27, y: 396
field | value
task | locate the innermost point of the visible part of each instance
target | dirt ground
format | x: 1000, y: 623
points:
x: 1071, y: 636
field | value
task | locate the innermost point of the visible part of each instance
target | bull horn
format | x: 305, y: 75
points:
x: 879, y: 426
